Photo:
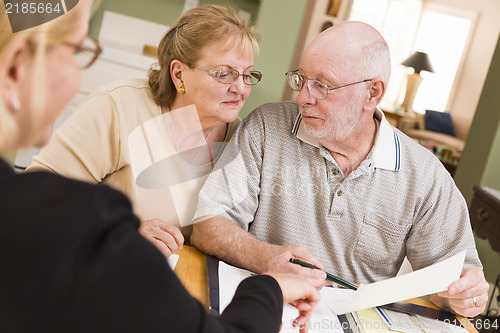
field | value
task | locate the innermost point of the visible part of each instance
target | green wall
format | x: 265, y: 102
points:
x: 279, y: 22
x: 480, y: 160
x: 161, y: 11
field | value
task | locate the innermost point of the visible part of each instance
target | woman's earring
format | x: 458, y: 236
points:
x: 15, y: 104
x: 181, y: 90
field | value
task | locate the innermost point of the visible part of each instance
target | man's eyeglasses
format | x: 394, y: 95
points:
x: 86, y: 53
x: 318, y: 89
x: 228, y: 76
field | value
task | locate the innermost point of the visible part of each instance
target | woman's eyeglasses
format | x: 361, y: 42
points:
x: 86, y: 53
x: 228, y: 76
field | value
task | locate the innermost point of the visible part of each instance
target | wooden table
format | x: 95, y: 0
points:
x: 468, y: 326
x: 192, y: 271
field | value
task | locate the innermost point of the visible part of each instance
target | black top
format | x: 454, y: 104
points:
x: 71, y: 260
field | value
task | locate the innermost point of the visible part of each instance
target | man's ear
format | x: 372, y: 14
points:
x: 375, y: 93
x: 18, y: 57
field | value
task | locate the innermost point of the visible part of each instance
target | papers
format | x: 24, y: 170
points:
x: 435, y: 326
x: 323, y: 319
x: 172, y: 260
x: 425, y: 281
x: 369, y: 322
x: 338, y: 301
x: 376, y: 320
x: 229, y: 279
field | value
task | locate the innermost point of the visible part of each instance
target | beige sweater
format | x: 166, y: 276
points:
x: 93, y: 145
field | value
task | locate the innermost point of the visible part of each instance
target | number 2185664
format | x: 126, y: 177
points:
x: 32, y: 8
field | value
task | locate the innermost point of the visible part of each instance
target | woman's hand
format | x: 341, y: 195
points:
x: 165, y: 236
x: 302, y: 293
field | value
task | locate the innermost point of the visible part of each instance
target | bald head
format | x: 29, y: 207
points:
x: 357, y: 47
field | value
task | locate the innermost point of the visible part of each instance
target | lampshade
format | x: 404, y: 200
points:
x: 419, y: 61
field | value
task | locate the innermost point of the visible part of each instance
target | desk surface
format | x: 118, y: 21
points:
x: 192, y: 271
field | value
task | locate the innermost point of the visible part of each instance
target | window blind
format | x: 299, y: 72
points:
x: 397, y: 21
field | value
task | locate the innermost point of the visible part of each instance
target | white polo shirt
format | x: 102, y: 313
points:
x: 281, y: 185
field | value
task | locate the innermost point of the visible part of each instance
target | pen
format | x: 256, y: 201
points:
x: 329, y: 276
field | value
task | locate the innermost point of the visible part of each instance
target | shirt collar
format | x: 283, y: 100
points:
x: 386, y: 151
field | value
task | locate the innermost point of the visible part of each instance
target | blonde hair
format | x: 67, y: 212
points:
x: 195, y: 29
x: 38, y: 38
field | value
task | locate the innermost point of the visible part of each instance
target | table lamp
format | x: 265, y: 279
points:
x: 419, y: 61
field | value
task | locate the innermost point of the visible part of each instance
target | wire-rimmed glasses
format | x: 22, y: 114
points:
x: 318, y: 89
x: 228, y: 76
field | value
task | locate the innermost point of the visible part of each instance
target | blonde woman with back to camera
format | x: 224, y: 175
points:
x: 72, y: 258
x: 205, y: 67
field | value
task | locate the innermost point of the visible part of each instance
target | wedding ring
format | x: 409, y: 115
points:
x: 474, y: 300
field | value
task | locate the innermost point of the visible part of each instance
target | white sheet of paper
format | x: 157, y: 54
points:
x: 428, y: 280
x: 229, y: 279
x: 172, y: 260
x: 436, y: 326
x: 322, y: 320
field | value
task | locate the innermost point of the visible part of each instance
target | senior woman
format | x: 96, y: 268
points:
x: 204, y: 61
x: 71, y: 257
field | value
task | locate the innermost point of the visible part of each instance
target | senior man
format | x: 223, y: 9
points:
x: 327, y: 179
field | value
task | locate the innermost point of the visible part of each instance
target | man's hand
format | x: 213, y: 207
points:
x: 302, y: 293
x: 279, y: 261
x: 227, y: 241
x: 467, y: 296
x: 165, y: 236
